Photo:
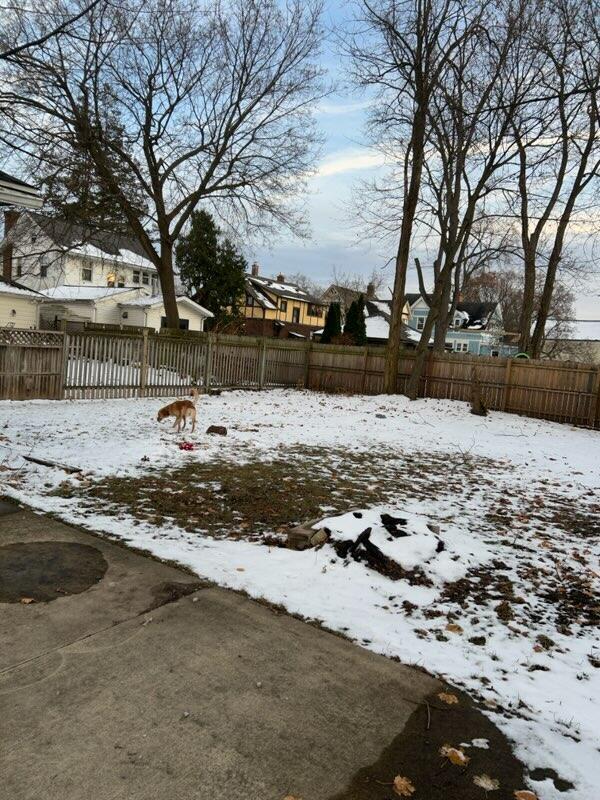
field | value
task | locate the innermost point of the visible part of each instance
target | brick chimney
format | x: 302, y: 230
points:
x: 255, y: 270
x: 370, y: 291
x: 10, y: 219
x: 280, y: 278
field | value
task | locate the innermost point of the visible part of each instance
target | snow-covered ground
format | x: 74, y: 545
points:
x: 499, y: 577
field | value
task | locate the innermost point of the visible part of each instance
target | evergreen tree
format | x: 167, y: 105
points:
x: 211, y: 268
x: 333, y: 323
x: 355, y: 325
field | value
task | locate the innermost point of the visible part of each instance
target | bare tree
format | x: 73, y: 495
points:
x: 402, y: 50
x: 19, y: 29
x: 557, y: 144
x: 213, y: 103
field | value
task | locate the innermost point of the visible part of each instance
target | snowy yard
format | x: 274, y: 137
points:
x: 493, y: 547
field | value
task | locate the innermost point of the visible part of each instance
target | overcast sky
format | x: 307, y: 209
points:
x: 335, y: 242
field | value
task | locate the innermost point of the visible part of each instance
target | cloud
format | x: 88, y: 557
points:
x: 349, y: 161
x: 342, y: 108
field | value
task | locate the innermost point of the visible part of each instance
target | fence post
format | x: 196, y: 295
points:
x: 61, y: 393
x: 594, y: 418
x: 208, y: 362
x: 507, y: 377
x: 364, y: 373
x: 144, y: 364
x: 262, y: 361
x: 308, y: 351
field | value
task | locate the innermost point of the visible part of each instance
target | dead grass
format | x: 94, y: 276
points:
x: 226, y: 498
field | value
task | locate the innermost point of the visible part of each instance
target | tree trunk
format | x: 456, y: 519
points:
x: 390, y: 374
x: 414, y: 380
x: 167, y: 284
x: 526, y: 317
x: 441, y: 328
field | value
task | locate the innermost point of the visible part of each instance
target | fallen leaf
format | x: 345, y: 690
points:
x: 27, y: 600
x: 449, y: 699
x: 291, y: 797
x: 454, y: 628
x: 525, y: 794
x: 241, y: 569
x: 486, y: 783
x: 403, y: 787
x: 454, y: 755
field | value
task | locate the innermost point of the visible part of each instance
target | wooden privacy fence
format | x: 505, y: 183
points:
x: 31, y: 364
x: 99, y: 364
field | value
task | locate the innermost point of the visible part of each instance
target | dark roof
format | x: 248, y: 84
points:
x: 411, y: 297
x: 18, y: 285
x: 479, y: 313
x: 4, y: 176
x: 68, y: 234
x: 289, y: 291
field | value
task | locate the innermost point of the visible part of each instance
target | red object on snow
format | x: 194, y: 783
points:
x: 186, y: 445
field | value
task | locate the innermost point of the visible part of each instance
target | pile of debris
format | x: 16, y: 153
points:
x: 362, y: 549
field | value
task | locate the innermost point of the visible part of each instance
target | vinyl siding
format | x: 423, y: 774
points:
x: 26, y: 312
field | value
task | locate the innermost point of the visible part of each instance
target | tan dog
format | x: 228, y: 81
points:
x: 181, y: 410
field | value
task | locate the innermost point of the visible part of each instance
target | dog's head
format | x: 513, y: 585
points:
x: 194, y: 394
x: 161, y: 415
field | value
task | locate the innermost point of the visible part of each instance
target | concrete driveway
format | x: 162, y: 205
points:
x: 127, y: 686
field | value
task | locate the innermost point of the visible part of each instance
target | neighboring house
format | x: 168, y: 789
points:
x: 477, y: 327
x: 377, y: 324
x: 378, y: 314
x: 14, y: 192
x: 116, y: 306
x: 19, y: 306
x: 43, y: 252
x: 345, y: 297
x: 274, y: 307
x: 573, y: 340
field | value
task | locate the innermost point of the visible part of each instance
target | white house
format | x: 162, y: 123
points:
x: 88, y: 275
x: 116, y: 306
x: 19, y: 306
x: 47, y: 252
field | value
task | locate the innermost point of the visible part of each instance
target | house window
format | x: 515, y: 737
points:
x: 121, y: 281
x: 136, y: 276
x: 19, y: 266
x: 249, y: 300
x: 110, y: 279
x: 495, y: 353
x: 296, y: 315
x: 283, y: 305
x: 86, y: 274
x: 457, y: 322
x: 461, y: 347
x: 184, y: 324
x: 315, y: 311
x: 145, y: 278
x: 43, y: 270
x: 420, y: 323
x: 154, y: 284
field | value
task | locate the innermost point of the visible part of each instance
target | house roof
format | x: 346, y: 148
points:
x: 477, y: 314
x: 573, y: 330
x: 12, y: 287
x: 92, y: 241
x: 411, y: 297
x: 156, y: 300
x: 86, y: 294
x: 14, y: 191
x: 289, y: 291
x: 377, y: 321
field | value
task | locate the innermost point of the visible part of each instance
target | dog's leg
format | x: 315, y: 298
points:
x: 193, y: 420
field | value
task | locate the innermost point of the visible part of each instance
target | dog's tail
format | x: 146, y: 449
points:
x: 194, y: 395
